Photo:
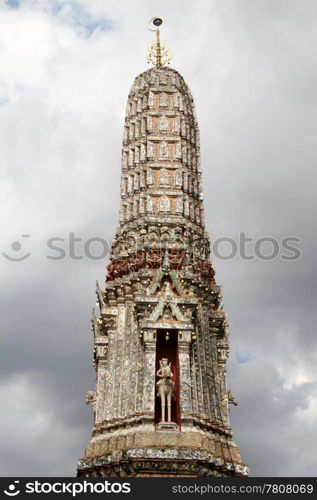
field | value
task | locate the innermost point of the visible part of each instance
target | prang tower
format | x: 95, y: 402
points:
x: 160, y: 336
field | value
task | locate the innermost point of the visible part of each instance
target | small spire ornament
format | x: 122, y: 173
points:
x: 157, y: 53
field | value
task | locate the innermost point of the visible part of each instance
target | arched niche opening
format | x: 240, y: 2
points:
x: 167, y: 347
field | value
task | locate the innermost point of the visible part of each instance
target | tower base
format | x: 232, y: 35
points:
x: 161, y: 454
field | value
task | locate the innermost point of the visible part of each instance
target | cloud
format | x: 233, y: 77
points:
x: 243, y: 356
x: 71, y: 13
x: 65, y: 73
x: 40, y: 440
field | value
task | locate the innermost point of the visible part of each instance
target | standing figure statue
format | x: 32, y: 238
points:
x: 165, y: 387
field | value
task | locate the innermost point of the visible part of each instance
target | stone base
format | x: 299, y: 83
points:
x: 165, y: 452
x: 159, y: 463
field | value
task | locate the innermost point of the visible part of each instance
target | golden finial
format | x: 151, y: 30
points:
x: 157, y: 53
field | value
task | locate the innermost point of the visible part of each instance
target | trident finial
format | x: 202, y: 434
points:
x: 157, y: 53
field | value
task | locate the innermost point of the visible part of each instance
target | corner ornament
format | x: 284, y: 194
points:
x: 90, y: 398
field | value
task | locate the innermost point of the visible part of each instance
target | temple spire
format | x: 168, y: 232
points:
x: 160, y: 404
x: 157, y: 53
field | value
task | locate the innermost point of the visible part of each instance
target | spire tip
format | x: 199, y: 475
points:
x: 156, y: 53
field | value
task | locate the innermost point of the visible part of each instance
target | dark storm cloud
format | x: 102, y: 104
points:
x: 259, y: 159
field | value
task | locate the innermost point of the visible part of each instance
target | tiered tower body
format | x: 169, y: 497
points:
x: 161, y: 300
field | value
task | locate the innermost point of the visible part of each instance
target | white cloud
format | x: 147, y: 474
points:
x: 35, y: 439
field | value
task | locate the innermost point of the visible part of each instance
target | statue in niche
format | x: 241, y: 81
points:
x: 130, y: 162
x: 179, y: 206
x: 137, y: 128
x: 190, y: 183
x: 183, y: 128
x: 163, y: 124
x: 188, y: 313
x: 180, y: 103
x: 151, y: 100
x: 142, y: 235
x: 178, y: 235
x: 167, y: 313
x: 191, y: 211
x: 185, y: 181
x: 136, y: 181
x: 163, y: 100
x: 164, y: 177
x: 149, y: 176
x: 197, y: 214
x: 189, y: 156
x: 177, y: 124
x: 149, y: 124
x: 135, y: 208
x: 153, y: 234
x: 195, y: 188
x: 142, y: 205
x: 143, y: 152
x: 167, y: 291
x: 178, y: 177
x: 178, y: 151
x: 150, y: 150
x: 163, y: 80
x: 184, y: 153
x: 128, y: 212
x: 121, y: 214
x: 164, y: 151
x: 165, y: 235
x: 165, y: 204
x: 123, y: 185
x: 143, y: 126
x: 142, y: 179
x: 131, y: 132
x: 124, y: 160
x: 165, y: 387
x: 186, y: 207
x: 124, y: 212
x: 149, y: 204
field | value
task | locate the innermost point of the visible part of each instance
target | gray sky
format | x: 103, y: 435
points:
x: 65, y: 72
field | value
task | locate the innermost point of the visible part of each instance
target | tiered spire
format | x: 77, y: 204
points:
x: 161, y: 185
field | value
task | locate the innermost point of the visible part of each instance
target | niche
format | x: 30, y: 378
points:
x: 167, y: 347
